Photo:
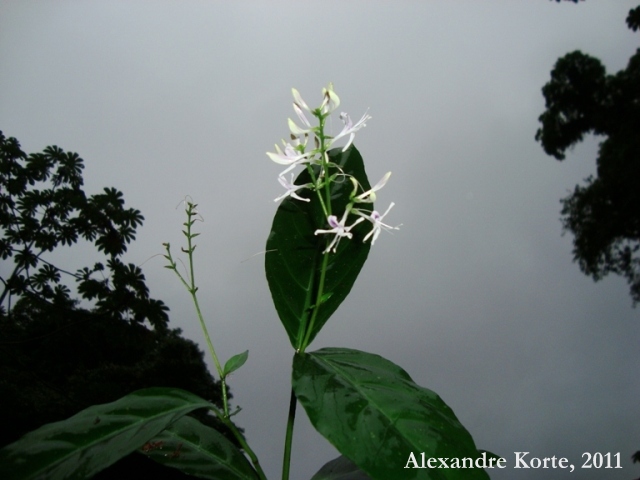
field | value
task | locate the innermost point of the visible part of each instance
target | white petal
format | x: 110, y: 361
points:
x: 382, y: 182
x: 301, y: 115
x: 295, y: 129
x: 299, y: 101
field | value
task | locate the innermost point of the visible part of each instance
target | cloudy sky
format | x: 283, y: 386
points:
x: 476, y: 296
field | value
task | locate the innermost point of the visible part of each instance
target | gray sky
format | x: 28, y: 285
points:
x: 476, y: 296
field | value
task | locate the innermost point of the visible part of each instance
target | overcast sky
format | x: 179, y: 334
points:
x: 476, y: 296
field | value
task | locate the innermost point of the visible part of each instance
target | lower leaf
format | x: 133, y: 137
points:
x: 198, y: 450
x: 340, y: 468
x: 373, y: 413
x: 96, y: 437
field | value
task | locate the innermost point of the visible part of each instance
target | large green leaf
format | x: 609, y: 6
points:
x: 198, y: 450
x: 340, y: 468
x: 374, y: 414
x: 98, y: 436
x: 294, y: 259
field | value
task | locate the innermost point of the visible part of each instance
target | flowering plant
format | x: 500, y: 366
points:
x: 326, y: 170
x: 370, y: 409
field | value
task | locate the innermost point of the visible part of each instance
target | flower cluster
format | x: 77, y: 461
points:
x: 294, y: 153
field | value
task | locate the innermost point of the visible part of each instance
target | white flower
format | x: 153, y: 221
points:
x: 376, y: 219
x: 331, y: 101
x: 290, y: 157
x: 370, y: 195
x: 291, y: 189
x: 339, y: 229
x: 350, y: 129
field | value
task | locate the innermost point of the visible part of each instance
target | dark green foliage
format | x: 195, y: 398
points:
x: 56, y: 358
x: 633, y: 19
x: 340, y: 468
x: 201, y: 451
x: 96, y: 437
x: 43, y: 207
x: 575, y: 98
x: 54, y: 363
x: 603, y: 214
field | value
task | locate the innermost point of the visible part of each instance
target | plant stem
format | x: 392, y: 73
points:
x: 286, y: 461
x: 325, y: 166
x: 243, y: 443
x: 323, y: 272
x: 326, y: 206
x: 192, y: 290
x: 315, y: 182
x: 223, y: 382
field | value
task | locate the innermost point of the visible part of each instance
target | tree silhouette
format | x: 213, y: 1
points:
x: 603, y: 214
x: 42, y: 207
x: 57, y: 358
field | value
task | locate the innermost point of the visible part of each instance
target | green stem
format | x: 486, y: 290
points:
x: 243, y: 443
x: 223, y: 382
x: 316, y: 307
x: 326, y: 206
x: 325, y: 167
x: 286, y: 461
x: 192, y: 290
x: 315, y: 182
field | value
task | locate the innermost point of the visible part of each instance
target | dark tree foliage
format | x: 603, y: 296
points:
x: 56, y: 361
x: 603, y: 214
x: 633, y: 19
x: 42, y: 207
x: 55, y: 357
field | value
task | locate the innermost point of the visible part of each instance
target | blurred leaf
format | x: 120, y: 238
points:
x: 294, y: 258
x: 235, y: 362
x: 374, y: 414
x: 93, y: 439
x: 340, y: 468
x: 198, y: 450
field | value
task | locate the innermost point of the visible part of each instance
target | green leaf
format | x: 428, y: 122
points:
x: 235, y: 362
x: 98, y: 436
x: 374, y: 414
x: 294, y: 259
x: 340, y: 468
x: 198, y: 450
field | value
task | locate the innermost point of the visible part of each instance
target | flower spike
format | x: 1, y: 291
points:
x: 324, y: 174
